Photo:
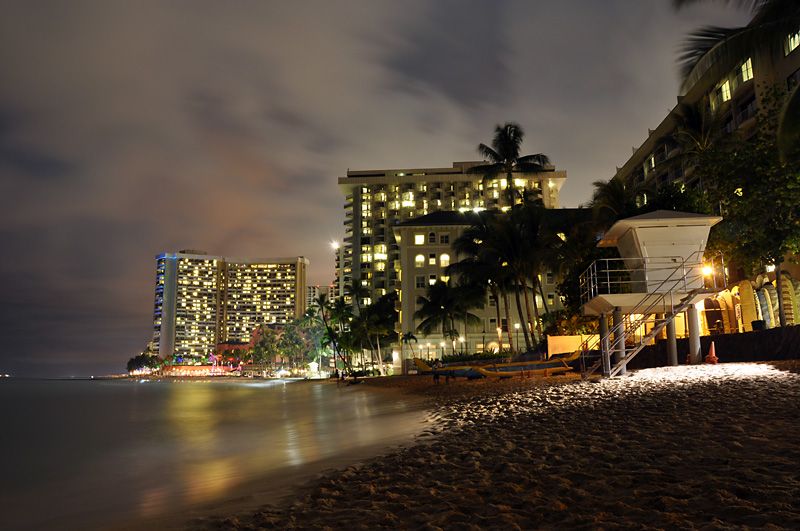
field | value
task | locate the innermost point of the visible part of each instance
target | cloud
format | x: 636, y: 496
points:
x: 457, y: 49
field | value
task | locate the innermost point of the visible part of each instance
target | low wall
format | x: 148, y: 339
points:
x: 781, y: 343
x: 566, y: 344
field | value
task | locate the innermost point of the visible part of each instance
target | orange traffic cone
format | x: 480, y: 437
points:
x: 712, y: 355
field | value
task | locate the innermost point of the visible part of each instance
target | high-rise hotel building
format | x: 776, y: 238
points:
x: 377, y: 200
x: 736, y: 95
x: 202, y: 300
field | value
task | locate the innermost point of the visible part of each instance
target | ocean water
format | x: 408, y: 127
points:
x: 98, y: 454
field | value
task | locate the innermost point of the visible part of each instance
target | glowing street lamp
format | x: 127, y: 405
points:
x: 516, y: 339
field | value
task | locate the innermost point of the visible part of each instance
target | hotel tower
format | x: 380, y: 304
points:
x: 202, y: 300
x: 378, y: 200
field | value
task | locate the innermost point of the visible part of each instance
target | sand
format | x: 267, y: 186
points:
x: 689, y: 447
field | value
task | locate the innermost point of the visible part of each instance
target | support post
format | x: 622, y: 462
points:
x: 672, y: 343
x: 695, y: 356
x: 663, y: 333
x: 605, y: 355
x: 619, y: 338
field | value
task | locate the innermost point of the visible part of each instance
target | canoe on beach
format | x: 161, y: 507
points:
x: 556, y: 364
x: 559, y: 363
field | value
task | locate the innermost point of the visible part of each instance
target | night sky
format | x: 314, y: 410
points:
x: 129, y: 129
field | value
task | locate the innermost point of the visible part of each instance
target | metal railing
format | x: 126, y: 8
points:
x: 648, y: 275
x: 657, y: 301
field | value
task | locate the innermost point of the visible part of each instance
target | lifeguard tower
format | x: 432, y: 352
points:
x: 660, y: 274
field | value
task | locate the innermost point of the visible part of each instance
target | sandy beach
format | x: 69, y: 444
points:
x: 688, y: 447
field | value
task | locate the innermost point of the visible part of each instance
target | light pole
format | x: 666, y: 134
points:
x: 461, y: 340
x: 516, y: 338
x: 499, y: 339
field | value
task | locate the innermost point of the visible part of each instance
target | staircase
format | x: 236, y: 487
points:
x: 659, y: 302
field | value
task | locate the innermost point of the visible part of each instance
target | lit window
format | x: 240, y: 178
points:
x: 432, y: 259
x: 419, y: 239
x: 432, y: 280
x: 419, y: 260
x: 444, y: 260
x: 792, y: 42
x: 747, y: 70
x: 725, y: 91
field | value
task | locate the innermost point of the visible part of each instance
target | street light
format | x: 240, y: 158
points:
x: 499, y: 339
x: 516, y: 339
x: 461, y: 340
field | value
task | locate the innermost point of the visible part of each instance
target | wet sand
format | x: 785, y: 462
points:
x: 689, y: 447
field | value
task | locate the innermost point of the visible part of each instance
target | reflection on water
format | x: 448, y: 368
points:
x: 110, y: 451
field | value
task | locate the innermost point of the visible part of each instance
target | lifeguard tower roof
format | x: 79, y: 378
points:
x: 657, y: 219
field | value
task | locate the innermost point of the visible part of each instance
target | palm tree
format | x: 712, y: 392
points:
x: 525, y: 246
x: 468, y: 296
x: 340, y: 315
x: 484, y: 264
x: 698, y: 129
x: 356, y: 291
x: 377, y: 329
x: 542, y: 252
x: 406, y: 340
x: 504, y: 159
x: 615, y: 199
x: 437, y: 309
x: 717, y: 50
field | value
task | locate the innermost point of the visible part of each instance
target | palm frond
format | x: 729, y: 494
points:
x: 710, y: 48
x: 540, y: 159
x: 719, y: 50
x: 489, y: 154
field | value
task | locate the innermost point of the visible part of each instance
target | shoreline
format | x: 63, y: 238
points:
x: 678, y: 447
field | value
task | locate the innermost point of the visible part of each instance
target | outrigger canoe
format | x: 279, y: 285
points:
x: 461, y: 371
x: 559, y: 363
